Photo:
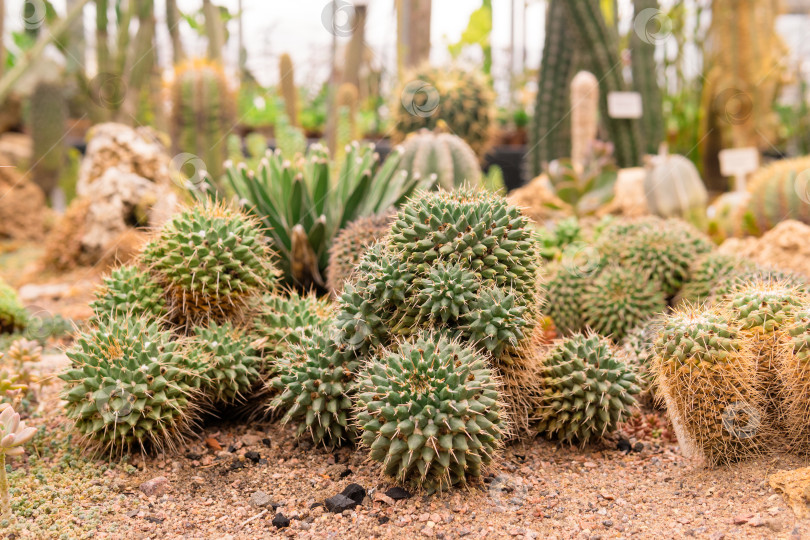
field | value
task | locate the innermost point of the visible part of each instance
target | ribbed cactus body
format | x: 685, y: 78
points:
x: 779, y: 191
x: 674, y: 189
x: 448, y: 157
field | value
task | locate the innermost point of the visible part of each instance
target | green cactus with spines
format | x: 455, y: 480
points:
x: 707, y: 271
x: 430, y: 412
x: 317, y: 380
x: 446, y: 155
x: 130, y: 291
x: 778, y: 192
x: 203, y: 114
x: 128, y: 386
x: 350, y: 244
x: 588, y: 389
x: 562, y: 293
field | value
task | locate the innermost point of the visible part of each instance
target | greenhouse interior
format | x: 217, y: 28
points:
x: 534, y: 269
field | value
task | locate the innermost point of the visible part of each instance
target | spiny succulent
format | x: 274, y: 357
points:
x: 13, y: 316
x: 212, y: 261
x: 349, y: 245
x: 284, y: 320
x: 317, y: 381
x: 794, y: 373
x: 129, y: 387
x: 707, y: 374
x: 638, y: 350
x: 619, y: 299
x: 444, y: 155
x: 741, y: 279
x: 553, y: 239
x: 588, y: 390
x: 563, y: 292
x: 130, y: 291
x: 429, y: 411
x: 223, y: 354
x: 706, y: 271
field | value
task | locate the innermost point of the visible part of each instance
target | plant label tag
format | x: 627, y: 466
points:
x: 624, y: 105
x: 739, y: 163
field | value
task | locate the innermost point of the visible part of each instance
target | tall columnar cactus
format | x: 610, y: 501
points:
x: 645, y: 74
x: 212, y: 262
x: 130, y: 291
x: 349, y: 246
x: 584, y: 116
x: 707, y: 374
x: 588, y: 390
x: 345, y: 121
x: 202, y: 114
x: 286, y: 77
x: 674, y: 189
x: 549, y: 132
x: 48, y: 115
x: 464, y: 100
x: 430, y: 412
x: 603, y: 53
x: 779, y: 191
x: 128, y: 387
x: 447, y: 156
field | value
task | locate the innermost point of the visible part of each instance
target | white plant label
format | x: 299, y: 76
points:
x: 624, y: 105
x: 739, y: 163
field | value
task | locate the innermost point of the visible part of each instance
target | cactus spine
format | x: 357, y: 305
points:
x: 287, y: 88
x: 645, y: 70
x: 584, y: 116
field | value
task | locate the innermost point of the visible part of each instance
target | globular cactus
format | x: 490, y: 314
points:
x: 707, y: 374
x: 584, y: 116
x: 447, y: 156
x: 129, y: 387
x: 13, y: 316
x: 286, y: 77
x: 316, y: 379
x: 588, y: 390
x: 130, y: 291
x: 212, y: 262
x: 550, y: 130
x: 463, y: 100
x: 563, y: 292
x: 618, y: 299
x: 645, y: 72
x: 202, y: 114
x: 793, y: 356
x: 429, y: 410
x: 779, y: 191
x: 48, y: 114
x: 706, y: 271
x: 674, y: 189
x: 225, y: 357
x: 350, y: 244
x: 638, y: 351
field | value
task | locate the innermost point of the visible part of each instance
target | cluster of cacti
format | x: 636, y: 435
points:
x: 430, y: 411
x: 588, y: 389
x: 444, y: 155
x: 463, y: 262
x: 317, y: 379
x: 202, y: 114
x: 674, y: 189
x: 212, y: 262
x: 645, y: 72
x: 48, y: 112
x: 130, y: 291
x: 129, y: 386
x: 349, y: 245
x: 302, y: 206
x: 463, y: 100
x: 13, y: 316
x: 778, y: 192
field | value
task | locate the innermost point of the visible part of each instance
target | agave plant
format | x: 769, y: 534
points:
x: 303, y: 203
x: 585, y: 189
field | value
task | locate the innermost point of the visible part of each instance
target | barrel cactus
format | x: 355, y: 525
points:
x: 430, y: 412
x: 779, y: 191
x: 446, y: 155
x: 794, y: 372
x: 588, y: 390
x: 349, y: 245
x: 706, y: 271
x: 284, y: 320
x: 674, y: 189
x: 130, y: 291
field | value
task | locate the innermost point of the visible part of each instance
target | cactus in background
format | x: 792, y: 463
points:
x: 442, y: 154
x: 707, y: 375
x: 584, y: 117
x: 586, y: 186
x: 779, y: 191
x: 596, y: 38
x: 464, y: 100
x: 705, y: 273
x: 430, y: 412
x: 48, y: 116
x: 129, y: 291
x: 317, y: 381
x: 549, y: 132
x: 290, y: 140
x: 346, y: 103
x: 129, y: 387
x: 286, y: 77
x: 588, y: 389
x: 563, y: 292
x: 638, y: 350
x: 645, y: 76
x: 202, y: 113
x: 13, y: 316
x: 674, y: 189
x: 212, y: 262
x: 349, y: 246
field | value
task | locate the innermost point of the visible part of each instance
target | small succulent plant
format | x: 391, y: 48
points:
x: 13, y: 435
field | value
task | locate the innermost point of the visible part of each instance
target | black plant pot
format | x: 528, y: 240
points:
x: 510, y: 159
